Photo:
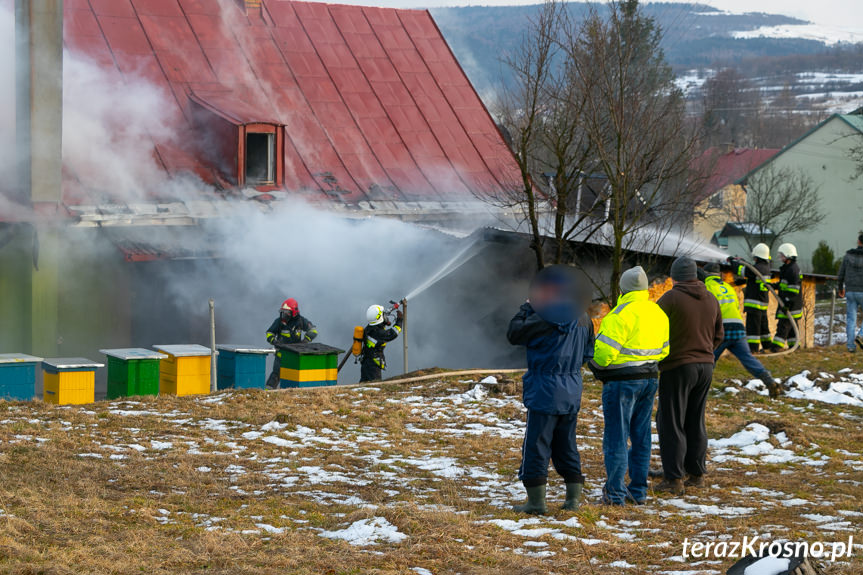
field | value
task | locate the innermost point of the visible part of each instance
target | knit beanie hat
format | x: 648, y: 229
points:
x: 633, y: 279
x: 684, y: 269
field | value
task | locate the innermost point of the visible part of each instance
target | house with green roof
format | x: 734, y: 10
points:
x: 825, y: 154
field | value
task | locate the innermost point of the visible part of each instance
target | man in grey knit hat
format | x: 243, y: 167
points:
x: 632, y: 340
x: 695, y: 330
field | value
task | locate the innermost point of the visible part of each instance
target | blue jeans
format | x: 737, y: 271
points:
x: 627, y: 407
x: 740, y: 349
x: 853, y: 300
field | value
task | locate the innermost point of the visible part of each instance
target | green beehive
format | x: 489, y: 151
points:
x: 309, y: 365
x: 133, y: 371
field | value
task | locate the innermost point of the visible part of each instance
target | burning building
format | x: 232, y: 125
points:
x: 248, y: 151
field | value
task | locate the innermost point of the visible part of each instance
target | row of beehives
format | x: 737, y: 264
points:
x: 171, y: 370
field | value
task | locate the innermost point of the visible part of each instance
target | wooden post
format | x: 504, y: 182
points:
x: 405, y: 331
x: 213, y: 352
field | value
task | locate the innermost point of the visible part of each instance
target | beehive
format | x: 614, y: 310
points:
x: 69, y: 380
x: 132, y: 371
x: 242, y: 366
x: 186, y: 370
x: 309, y: 365
x: 18, y: 376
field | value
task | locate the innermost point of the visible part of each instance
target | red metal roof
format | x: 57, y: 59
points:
x: 724, y: 168
x: 373, y: 101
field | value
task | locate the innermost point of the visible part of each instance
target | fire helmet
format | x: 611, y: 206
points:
x: 290, y: 307
x: 788, y: 250
x: 375, y: 315
x: 761, y: 251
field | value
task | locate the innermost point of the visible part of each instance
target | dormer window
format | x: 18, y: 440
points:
x: 246, y: 150
x: 260, y: 159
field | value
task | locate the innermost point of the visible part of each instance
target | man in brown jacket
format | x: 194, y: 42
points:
x: 695, y: 323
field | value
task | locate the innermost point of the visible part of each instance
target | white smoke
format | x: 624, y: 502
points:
x: 110, y: 123
x: 335, y: 266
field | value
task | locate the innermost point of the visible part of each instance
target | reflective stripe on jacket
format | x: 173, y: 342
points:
x: 790, y: 285
x: 632, y: 339
x: 755, y: 294
x: 296, y: 330
x: 727, y: 298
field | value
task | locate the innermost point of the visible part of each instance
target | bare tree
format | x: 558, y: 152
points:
x: 541, y: 114
x: 732, y: 106
x: 779, y: 202
x: 635, y: 119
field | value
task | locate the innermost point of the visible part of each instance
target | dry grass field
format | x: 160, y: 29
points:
x: 409, y: 479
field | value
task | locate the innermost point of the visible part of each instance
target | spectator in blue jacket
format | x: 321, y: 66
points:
x: 559, y: 341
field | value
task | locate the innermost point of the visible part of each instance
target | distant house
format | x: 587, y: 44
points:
x: 738, y: 238
x: 825, y: 155
x: 722, y: 199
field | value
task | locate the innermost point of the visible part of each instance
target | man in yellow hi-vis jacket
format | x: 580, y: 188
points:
x: 632, y: 339
x: 732, y: 323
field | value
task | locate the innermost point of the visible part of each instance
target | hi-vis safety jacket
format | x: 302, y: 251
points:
x: 790, y: 284
x: 632, y: 339
x: 729, y: 305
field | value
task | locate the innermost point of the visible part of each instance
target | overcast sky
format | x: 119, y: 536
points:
x: 836, y: 13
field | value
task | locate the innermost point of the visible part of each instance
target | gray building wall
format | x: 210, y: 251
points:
x: 825, y: 156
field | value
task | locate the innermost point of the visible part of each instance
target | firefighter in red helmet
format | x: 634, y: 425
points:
x: 289, y: 327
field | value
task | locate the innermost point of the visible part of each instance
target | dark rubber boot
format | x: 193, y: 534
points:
x: 573, y: 496
x: 535, y: 504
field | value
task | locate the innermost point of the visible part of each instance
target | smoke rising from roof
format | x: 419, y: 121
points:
x: 335, y: 266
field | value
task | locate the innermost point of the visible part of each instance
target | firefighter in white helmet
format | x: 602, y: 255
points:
x: 756, y: 298
x: 376, y: 336
x: 790, y: 286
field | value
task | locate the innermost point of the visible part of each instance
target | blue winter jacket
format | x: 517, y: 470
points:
x: 555, y: 356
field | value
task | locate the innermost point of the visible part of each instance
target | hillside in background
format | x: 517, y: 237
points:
x: 697, y: 40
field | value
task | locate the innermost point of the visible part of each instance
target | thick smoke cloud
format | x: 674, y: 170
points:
x: 336, y: 266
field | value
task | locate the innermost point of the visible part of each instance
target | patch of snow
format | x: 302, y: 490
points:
x: 701, y: 509
x: 828, y: 35
x: 270, y: 529
x: 93, y: 455
x: 160, y: 445
x: 490, y: 380
x: 750, y: 435
x: 278, y: 441
x: 838, y: 392
x: 478, y: 393
x: 367, y: 532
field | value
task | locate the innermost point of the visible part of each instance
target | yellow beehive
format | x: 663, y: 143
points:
x: 306, y: 375
x: 69, y: 381
x: 186, y: 370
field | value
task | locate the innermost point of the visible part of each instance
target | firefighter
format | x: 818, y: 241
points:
x: 377, y: 334
x: 289, y: 327
x: 732, y: 323
x: 790, y: 284
x: 756, y: 297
